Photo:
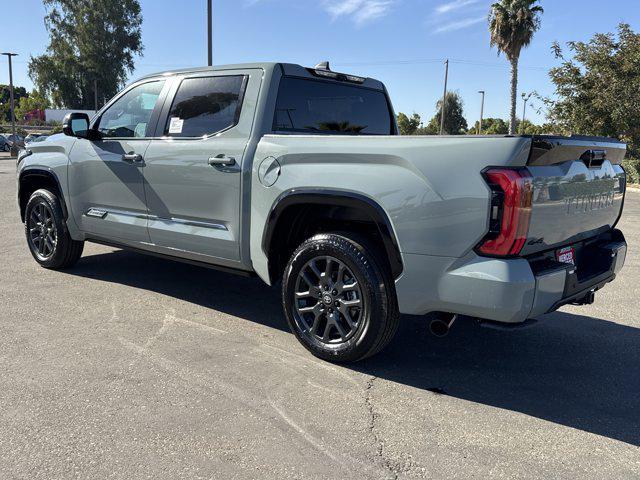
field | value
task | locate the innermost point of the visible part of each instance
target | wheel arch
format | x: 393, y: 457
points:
x: 33, y: 179
x: 288, y: 209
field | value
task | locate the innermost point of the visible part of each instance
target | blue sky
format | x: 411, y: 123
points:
x: 401, y: 42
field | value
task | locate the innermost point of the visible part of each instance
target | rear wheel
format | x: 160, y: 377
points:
x: 339, y: 298
x: 46, y: 231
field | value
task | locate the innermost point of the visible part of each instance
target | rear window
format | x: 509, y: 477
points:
x: 315, y: 106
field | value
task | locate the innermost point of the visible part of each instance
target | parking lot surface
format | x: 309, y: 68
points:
x: 128, y: 366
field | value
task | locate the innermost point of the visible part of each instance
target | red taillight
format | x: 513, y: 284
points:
x: 514, y: 193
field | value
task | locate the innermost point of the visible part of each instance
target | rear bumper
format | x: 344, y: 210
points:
x: 506, y: 290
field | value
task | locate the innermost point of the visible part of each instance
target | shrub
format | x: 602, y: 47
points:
x: 632, y: 167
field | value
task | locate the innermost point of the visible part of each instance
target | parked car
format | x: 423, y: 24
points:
x: 4, y: 144
x: 17, y: 139
x: 298, y: 175
x: 34, y: 138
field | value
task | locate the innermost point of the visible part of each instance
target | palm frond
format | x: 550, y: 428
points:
x: 512, y: 24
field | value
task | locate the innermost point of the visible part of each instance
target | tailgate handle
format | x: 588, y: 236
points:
x: 594, y: 158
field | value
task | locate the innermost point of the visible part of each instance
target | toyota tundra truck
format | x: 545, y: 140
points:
x: 299, y: 176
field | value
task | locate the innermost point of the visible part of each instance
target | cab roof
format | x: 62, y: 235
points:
x: 288, y: 69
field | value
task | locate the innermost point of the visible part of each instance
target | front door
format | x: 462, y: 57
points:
x: 193, y: 172
x: 106, y: 179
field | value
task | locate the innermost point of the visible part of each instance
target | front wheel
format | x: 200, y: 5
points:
x: 46, y: 231
x: 339, y: 299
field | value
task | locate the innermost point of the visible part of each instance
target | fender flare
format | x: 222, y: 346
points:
x: 343, y: 198
x: 40, y: 172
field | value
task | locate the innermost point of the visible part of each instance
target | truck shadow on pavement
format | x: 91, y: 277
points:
x: 574, y: 370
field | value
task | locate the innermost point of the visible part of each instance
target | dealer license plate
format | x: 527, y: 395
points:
x: 566, y: 255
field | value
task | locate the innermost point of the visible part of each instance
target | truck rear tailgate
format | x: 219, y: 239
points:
x: 578, y: 190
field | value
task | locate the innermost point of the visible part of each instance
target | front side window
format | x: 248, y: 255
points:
x: 204, y: 106
x: 129, y: 116
x: 316, y: 106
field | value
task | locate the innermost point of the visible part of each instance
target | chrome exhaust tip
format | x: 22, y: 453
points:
x: 440, y: 326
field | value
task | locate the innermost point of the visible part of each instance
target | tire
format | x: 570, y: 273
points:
x: 339, y: 298
x: 47, y: 234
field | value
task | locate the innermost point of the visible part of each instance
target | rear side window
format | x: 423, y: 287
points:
x: 203, y: 106
x: 315, y: 106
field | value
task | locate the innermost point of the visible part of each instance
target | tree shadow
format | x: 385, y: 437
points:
x: 574, y: 370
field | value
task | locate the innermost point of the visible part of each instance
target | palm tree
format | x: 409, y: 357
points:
x: 512, y: 24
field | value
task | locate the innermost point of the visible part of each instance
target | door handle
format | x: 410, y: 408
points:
x: 222, y: 161
x: 132, y: 157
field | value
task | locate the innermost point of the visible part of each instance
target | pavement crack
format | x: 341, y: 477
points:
x: 380, y: 455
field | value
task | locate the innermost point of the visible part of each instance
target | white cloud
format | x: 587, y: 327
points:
x: 360, y: 11
x: 459, y: 24
x: 453, y: 5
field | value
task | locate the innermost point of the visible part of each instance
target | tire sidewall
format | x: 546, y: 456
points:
x: 371, y: 282
x: 45, y: 196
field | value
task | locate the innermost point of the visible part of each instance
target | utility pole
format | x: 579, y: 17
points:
x: 210, y: 32
x: 444, y: 96
x: 481, y: 113
x: 14, y: 148
x: 95, y: 94
x: 525, y: 99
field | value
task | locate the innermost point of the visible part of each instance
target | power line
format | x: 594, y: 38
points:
x: 437, y: 60
x: 391, y: 62
x: 376, y: 63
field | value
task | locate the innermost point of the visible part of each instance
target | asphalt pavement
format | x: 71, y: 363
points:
x: 128, y: 366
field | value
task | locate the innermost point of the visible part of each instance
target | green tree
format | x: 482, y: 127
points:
x: 512, y: 24
x: 91, y: 41
x: 5, y: 101
x: 597, y: 89
x: 35, y: 101
x: 408, y: 125
x: 491, y: 126
x: 498, y: 126
x: 454, y: 121
x: 530, y: 128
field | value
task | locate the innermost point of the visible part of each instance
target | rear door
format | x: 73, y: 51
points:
x: 193, y: 166
x: 578, y: 190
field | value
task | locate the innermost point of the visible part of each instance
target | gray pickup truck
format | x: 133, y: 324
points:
x: 298, y: 175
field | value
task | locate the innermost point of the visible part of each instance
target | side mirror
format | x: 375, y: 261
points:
x: 76, y: 124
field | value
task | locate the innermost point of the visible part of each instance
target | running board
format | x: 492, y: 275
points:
x: 211, y: 266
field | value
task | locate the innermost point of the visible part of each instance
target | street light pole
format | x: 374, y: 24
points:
x: 525, y: 99
x: 481, y: 113
x: 210, y: 32
x: 14, y: 149
x: 444, y: 96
